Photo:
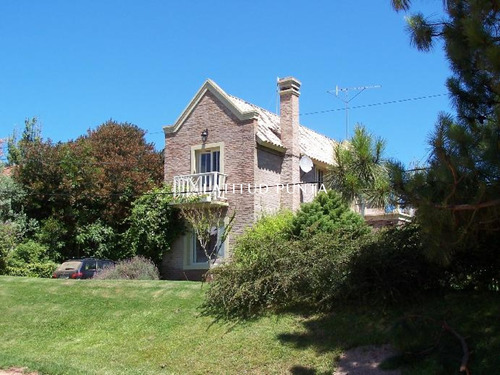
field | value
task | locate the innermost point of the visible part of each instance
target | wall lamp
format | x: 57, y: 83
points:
x: 204, y: 135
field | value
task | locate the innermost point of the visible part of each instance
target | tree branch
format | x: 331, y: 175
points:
x: 469, y: 207
x: 465, y: 349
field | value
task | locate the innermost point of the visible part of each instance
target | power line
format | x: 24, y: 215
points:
x: 374, y: 104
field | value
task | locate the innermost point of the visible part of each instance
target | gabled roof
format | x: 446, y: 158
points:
x: 317, y: 146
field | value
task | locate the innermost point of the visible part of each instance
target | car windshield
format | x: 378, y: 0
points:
x: 68, y: 266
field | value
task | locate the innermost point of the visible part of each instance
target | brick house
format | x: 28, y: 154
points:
x: 242, y: 156
x: 253, y: 153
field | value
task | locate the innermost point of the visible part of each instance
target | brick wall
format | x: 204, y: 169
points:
x: 268, y: 173
x: 239, y: 162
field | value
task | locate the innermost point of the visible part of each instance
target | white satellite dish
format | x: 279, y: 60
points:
x: 305, y: 164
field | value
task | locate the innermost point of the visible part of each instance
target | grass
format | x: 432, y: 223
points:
x: 155, y: 327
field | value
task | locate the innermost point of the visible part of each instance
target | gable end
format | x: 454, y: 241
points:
x: 224, y: 98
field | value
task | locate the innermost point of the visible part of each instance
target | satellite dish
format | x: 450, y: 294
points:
x: 305, y: 164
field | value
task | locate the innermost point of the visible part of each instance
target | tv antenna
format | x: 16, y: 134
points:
x: 342, y: 93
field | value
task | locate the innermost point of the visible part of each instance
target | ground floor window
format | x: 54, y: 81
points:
x: 198, y: 255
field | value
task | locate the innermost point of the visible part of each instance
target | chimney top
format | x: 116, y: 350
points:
x: 289, y: 85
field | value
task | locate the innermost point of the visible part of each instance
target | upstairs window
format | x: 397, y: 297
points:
x: 320, y: 175
x: 209, y: 161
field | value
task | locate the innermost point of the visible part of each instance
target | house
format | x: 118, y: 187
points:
x: 238, y: 155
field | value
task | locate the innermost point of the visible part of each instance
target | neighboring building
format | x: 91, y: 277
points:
x: 236, y: 154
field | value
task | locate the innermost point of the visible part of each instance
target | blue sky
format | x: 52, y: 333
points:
x: 76, y: 64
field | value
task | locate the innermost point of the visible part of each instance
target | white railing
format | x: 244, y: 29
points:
x: 369, y: 211
x: 209, y: 186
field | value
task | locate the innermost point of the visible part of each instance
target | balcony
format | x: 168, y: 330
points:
x: 210, y: 186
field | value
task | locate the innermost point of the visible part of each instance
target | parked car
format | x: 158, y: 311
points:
x: 81, y: 268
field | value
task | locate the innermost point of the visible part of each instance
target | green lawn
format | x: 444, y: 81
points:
x: 137, y: 327
x: 155, y: 327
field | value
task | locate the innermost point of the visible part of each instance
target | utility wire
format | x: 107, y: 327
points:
x: 374, y: 104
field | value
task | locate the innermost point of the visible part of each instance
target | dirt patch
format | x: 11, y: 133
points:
x: 17, y: 371
x: 364, y: 360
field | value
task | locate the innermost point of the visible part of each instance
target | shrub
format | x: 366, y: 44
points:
x: 392, y: 268
x: 284, y: 275
x: 136, y: 268
x: 327, y: 213
x: 287, y: 261
x: 29, y: 259
x: 154, y: 225
x: 27, y: 252
x: 255, y: 243
x: 45, y: 269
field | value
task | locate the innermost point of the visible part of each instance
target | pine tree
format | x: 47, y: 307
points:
x: 359, y: 173
x: 458, y: 193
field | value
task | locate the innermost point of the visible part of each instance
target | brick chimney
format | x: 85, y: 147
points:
x: 289, y: 89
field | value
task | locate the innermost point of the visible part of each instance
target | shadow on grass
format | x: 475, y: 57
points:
x: 301, y: 370
x: 334, y: 333
x: 339, y: 331
x: 475, y: 316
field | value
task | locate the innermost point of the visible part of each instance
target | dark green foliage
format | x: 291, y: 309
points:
x: 392, y: 268
x: 359, y: 173
x: 54, y: 234
x: 275, y: 270
x: 82, y: 191
x: 7, y: 243
x: 154, y: 225
x: 327, y: 213
x: 457, y: 194
x: 291, y: 274
x: 478, y: 268
x: 99, y: 240
x: 136, y: 268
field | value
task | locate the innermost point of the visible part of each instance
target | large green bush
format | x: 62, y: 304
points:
x: 289, y: 274
x: 154, y: 224
x: 29, y: 259
x: 288, y: 261
x: 392, y: 268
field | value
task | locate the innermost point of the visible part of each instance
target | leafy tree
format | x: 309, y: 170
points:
x: 457, y: 196
x: 84, y: 189
x: 14, y: 224
x: 154, y: 224
x: 128, y: 167
x: 209, y: 225
x: 11, y: 198
x: 16, y: 148
x: 360, y: 174
x: 98, y: 240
